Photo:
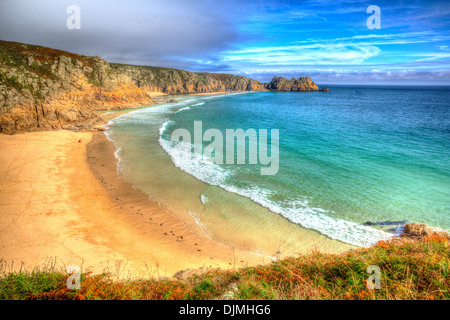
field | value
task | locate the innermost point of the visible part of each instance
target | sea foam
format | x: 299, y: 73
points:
x: 191, y: 162
x: 297, y: 211
x: 318, y: 219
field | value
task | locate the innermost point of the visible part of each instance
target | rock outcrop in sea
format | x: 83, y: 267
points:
x: 300, y: 84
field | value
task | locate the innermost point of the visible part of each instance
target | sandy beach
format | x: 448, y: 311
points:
x: 61, y: 199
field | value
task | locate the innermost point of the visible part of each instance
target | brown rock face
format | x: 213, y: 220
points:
x: 412, y: 230
x: 417, y: 231
x: 300, y: 84
x: 172, y: 81
x: 47, y: 89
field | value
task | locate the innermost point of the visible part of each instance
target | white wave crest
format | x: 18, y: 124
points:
x: 300, y: 212
x: 192, y: 163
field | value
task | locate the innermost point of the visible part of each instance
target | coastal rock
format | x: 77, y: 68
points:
x: 300, y: 84
x: 415, y: 230
x: 230, y: 292
x: 325, y: 89
x: 418, y: 231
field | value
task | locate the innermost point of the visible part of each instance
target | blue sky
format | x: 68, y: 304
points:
x: 327, y: 40
x: 331, y: 41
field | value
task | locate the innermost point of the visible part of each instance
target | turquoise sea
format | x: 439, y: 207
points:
x: 355, y: 164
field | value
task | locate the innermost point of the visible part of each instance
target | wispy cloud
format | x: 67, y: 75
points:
x: 335, y: 53
x: 430, y: 56
x: 353, y: 50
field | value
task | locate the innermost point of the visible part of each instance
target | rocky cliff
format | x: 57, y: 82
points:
x: 173, y: 81
x: 46, y: 89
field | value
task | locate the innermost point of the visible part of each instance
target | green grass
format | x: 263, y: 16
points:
x: 23, y: 284
x: 202, y: 79
x: 409, y: 270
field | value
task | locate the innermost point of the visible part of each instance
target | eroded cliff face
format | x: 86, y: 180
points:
x: 47, y: 89
x: 173, y: 81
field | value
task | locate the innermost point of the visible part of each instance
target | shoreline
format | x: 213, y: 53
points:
x: 149, y: 217
x: 64, y: 200
x: 99, y: 221
x: 74, y: 212
x: 181, y: 193
x: 122, y: 224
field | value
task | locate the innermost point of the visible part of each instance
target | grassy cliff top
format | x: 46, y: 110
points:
x: 16, y: 54
x: 409, y: 269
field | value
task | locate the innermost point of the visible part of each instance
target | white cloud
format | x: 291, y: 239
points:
x: 335, y: 53
x: 430, y: 56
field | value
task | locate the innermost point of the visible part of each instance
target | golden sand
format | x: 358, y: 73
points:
x: 61, y: 197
